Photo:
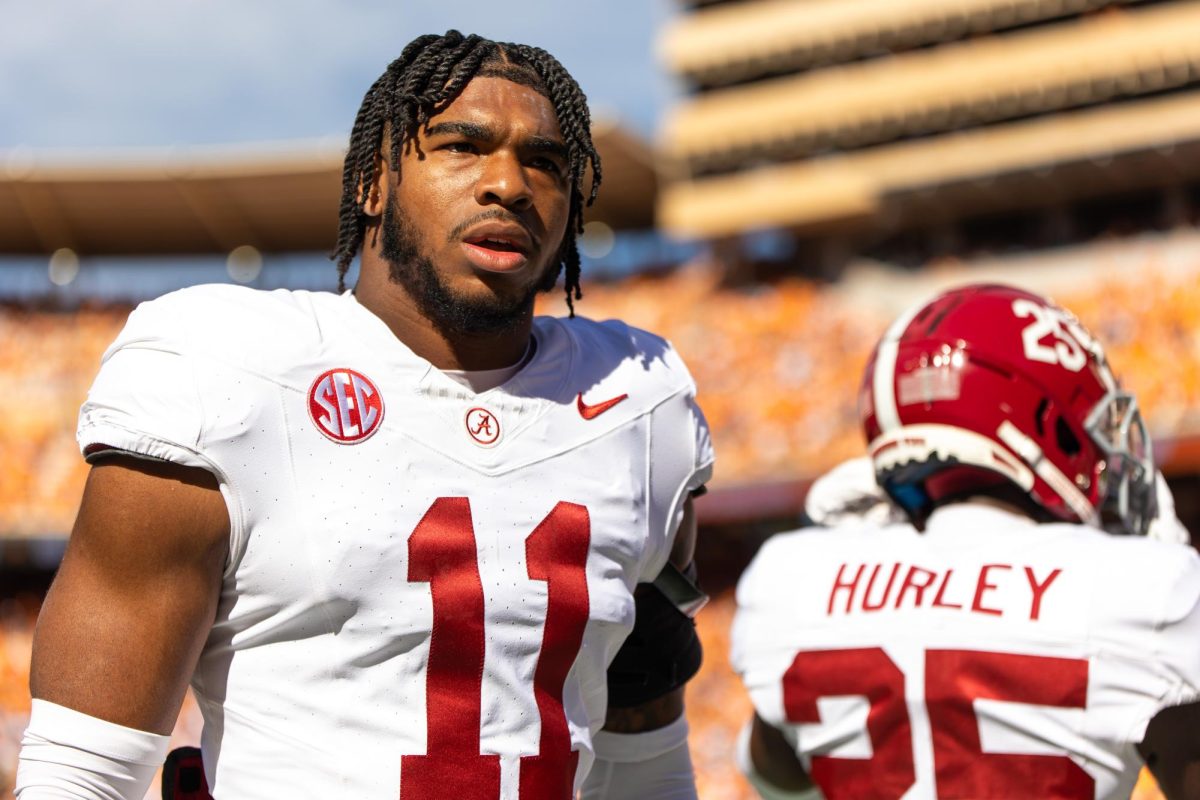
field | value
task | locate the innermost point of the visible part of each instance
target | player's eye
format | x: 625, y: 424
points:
x: 459, y: 147
x: 546, y: 165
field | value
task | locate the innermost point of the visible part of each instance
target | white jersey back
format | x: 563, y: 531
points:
x: 426, y: 585
x: 987, y: 657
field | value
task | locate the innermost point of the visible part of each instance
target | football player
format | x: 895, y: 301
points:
x: 393, y: 537
x: 991, y: 621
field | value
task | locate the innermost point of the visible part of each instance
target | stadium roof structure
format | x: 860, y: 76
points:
x: 991, y: 79
x: 275, y: 197
x: 1024, y: 164
x: 736, y: 41
x: 1038, y: 115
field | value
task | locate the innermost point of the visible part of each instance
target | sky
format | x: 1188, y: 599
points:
x: 131, y: 73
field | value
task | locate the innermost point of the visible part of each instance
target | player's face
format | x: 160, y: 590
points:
x: 474, y: 226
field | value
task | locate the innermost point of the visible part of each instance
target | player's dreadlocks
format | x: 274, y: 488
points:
x: 428, y: 76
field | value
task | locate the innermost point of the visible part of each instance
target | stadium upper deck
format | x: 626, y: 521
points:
x: 273, y: 196
x: 822, y: 116
x: 734, y: 42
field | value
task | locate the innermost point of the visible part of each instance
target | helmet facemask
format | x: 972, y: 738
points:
x: 1127, y: 479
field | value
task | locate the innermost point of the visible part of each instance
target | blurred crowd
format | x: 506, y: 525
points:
x: 17, y: 616
x: 47, y: 361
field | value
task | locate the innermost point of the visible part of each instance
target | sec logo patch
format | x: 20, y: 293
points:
x: 345, y: 406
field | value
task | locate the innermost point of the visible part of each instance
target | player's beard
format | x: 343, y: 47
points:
x: 451, y: 312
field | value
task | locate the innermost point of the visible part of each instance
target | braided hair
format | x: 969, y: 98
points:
x: 428, y: 76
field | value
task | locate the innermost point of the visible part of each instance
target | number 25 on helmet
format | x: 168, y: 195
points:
x: 987, y: 387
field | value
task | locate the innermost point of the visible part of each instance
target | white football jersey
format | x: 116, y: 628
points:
x: 425, y: 585
x: 988, y: 657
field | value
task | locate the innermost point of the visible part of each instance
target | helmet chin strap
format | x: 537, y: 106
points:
x: 1063, y: 486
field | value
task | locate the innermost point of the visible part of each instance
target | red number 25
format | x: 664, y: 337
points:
x: 953, y: 679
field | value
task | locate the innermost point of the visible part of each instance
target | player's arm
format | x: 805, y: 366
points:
x: 768, y: 761
x: 667, y: 707
x: 642, y: 750
x: 1171, y: 749
x: 122, y: 628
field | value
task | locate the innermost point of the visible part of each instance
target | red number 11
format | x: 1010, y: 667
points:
x: 442, y: 553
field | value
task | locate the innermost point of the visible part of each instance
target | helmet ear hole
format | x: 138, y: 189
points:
x: 1039, y: 417
x: 1068, y: 442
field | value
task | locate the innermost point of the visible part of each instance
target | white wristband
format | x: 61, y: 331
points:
x: 68, y: 754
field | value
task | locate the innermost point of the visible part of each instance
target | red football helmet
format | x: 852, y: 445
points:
x: 989, y: 384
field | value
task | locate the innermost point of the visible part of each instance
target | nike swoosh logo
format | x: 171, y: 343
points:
x: 592, y: 411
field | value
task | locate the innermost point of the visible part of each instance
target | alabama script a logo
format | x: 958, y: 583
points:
x: 483, y: 426
x: 345, y: 406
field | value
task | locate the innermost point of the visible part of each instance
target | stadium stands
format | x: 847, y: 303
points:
x: 740, y: 42
x: 965, y: 84
x: 47, y: 359
x: 17, y: 616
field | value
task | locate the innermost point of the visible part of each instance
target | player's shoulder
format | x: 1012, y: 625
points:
x: 612, y: 336
x: 1122, y: 552
x: 1137, y: 562
x: 784, y: 555
x: 615, y: 348
x: 224, y: 318
x: 1165, y: 565
x: 1131, y: 578
x: 209, y: 308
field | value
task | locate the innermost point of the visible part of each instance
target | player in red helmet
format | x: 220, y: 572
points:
x: 988, y: 632
x: 993, y: 386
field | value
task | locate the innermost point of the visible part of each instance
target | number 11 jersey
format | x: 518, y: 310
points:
x: 425, y: 584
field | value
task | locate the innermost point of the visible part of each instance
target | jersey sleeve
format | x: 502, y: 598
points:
x: 758, y: 652
x: 1177, y: 637
x: 681, y: 461
x: 144, y: 400
x: 1144, y: 634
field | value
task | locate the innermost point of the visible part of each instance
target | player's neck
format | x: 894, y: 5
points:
x: 1003, y: 500
x: 446, y: 350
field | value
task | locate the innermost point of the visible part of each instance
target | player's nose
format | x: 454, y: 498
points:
x: 503, y: 182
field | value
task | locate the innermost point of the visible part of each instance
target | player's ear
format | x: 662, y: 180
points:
x: 376, y: 191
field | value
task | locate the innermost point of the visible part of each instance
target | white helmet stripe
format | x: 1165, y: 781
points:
x: 884, y: 381
x: 1029, y: 451
x: 927, y: 441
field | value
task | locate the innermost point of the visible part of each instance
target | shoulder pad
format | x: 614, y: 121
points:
x: 230, y: 323
x: 614, y: 354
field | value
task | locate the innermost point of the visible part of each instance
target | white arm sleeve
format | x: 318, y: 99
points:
x: 68, y: 755
x: 654, y: 765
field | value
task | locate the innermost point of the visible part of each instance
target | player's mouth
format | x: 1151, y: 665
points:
x: 497, y: 246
